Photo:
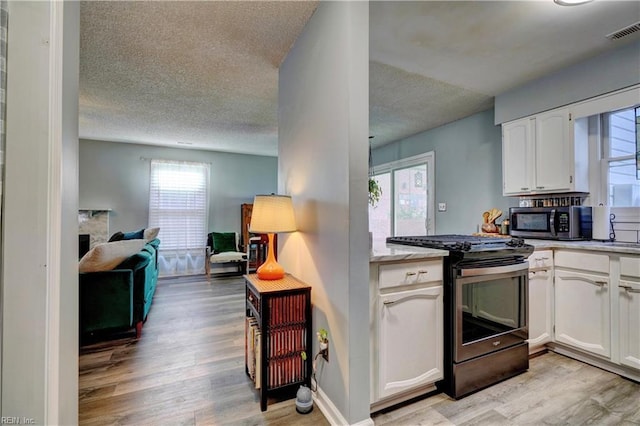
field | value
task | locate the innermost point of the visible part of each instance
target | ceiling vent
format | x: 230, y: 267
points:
x: 624, y: 32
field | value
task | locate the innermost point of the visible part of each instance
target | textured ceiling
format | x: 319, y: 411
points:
x: 198, y: 74
x: 204, y: 74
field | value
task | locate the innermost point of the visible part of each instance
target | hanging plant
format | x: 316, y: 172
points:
x: 375, y: 192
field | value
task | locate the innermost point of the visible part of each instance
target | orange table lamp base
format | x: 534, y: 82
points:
x: 270, y: 269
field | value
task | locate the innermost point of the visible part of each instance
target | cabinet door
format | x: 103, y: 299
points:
x: 540, y: 288
x: 630, y: 323
x: 582, y: 315
x: 517, y: 157
x: 553, y: 151
x: 410, y: 340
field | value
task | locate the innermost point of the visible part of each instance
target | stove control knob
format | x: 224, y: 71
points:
x: 515, y: 242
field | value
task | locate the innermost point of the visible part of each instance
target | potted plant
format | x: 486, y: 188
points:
x: 323, y: 338
x: 375, y: 191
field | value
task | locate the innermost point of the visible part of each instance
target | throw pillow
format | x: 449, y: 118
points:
x: 135, y: 235
x: 150, y: 233
x: 106, y: 256
x: 116, y: 237
x: 224, y: 241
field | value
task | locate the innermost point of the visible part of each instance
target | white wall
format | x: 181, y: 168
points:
x: 39, y: 295
x: 323, y: 140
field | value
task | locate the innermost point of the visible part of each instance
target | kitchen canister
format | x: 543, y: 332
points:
x: 601, y: 223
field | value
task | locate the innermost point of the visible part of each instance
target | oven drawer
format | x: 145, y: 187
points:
x: 408, y: 273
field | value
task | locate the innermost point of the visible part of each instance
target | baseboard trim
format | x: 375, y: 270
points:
x: 596, y: 361
x: 332, y: 414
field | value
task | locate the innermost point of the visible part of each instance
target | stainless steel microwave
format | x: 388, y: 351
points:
x: 556, y: 223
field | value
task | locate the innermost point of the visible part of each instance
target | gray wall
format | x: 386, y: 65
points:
x: 603, y: 74
x: 323, y: 124
x: 468, y: 169
x: 113, y: 175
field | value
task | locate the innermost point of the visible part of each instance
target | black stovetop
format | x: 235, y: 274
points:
x: 468, y: 245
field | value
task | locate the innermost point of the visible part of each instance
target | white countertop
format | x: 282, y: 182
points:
x: 394, y: 252
x: 615, y: 247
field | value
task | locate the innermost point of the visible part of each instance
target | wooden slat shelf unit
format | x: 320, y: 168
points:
x: 280, y: 310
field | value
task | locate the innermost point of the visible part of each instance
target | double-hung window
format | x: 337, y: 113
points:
x: 406, y: 204
x: 621, y: 157
x: 179, y: 205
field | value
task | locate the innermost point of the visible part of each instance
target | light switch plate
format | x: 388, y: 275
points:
x: 442, y: 207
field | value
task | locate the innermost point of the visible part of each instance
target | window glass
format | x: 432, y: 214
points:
x: 411, y: 200
x: 622, y: 133
x: 406, y: 204
x: 623, y: 186
x: 380, y: 214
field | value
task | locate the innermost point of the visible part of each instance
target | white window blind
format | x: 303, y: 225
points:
x: 178, y: 204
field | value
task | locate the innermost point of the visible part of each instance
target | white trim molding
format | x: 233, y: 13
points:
x: 54, y: 209
x: 332, y: 414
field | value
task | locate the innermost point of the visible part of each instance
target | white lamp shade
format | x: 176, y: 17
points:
x: 272, y: 214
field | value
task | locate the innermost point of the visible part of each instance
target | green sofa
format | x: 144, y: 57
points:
x: 119, y: 299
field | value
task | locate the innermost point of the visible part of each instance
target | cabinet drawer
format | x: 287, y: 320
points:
x: 542, y: 259
x: 630, y: 266
x: 405, y: 273
x: 582, y: 260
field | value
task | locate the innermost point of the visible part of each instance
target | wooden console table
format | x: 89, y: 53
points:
x: 278, y: 331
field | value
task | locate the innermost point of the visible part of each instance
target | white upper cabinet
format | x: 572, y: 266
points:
x: 554, y: 140
x: 517, y: 156
x: 541, y: 155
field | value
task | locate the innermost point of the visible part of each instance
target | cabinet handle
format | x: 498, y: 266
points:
x: 594, y: 282
x: 538, y: 270
x: 389, y: 302
x: 410, y: 274
x: 422, y: 272
x: 539, y: 187
x: 629, y: 289
x: 542, y: 258
x: 524, y: 189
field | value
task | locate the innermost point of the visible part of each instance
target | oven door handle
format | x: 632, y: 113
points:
x: 475, y: 272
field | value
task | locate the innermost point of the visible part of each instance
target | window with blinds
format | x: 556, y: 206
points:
x: 621, y: 157
x: 179, y: 203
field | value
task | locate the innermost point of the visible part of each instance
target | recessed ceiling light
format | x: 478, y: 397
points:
x: 571, y: 2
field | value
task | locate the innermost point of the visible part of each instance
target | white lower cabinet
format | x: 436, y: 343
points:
x: 629, y: 304
x: 582, y: 314
x: 410, y: 340
x: 540, y: 299
x: 406, y: 330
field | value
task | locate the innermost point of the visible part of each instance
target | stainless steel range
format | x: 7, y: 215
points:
x: 485, y: 309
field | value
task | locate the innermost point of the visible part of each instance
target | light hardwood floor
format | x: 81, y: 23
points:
x: 188, y: 368
x: 556, y: 390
